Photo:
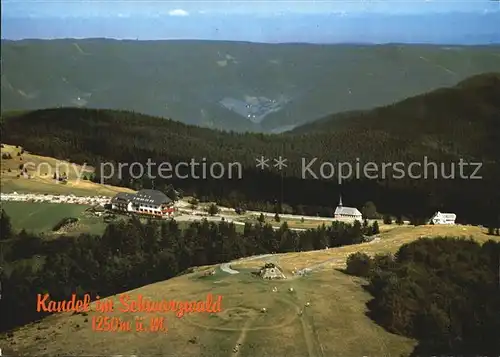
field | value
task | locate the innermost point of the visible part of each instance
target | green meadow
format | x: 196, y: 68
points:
x: 41, y: 217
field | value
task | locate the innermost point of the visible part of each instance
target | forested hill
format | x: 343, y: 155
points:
x: 445, y: 126
x: 464, y: 119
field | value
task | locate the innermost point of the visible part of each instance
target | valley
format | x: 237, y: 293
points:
x: 235, y: 86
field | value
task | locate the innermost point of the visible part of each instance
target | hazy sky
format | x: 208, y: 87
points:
x: 159, y: 8
x: 334, y: 21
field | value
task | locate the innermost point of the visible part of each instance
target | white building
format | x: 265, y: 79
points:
x: 347, y: 213
x: 145, y: 202
x: 443, y: 218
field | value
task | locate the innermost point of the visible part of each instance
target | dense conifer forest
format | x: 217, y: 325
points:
x: 444, y: 127
x: 443, y: 292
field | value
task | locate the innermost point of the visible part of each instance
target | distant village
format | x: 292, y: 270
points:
x: 51, y: 198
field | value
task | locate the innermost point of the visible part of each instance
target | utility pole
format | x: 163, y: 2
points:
x: 282, y: 155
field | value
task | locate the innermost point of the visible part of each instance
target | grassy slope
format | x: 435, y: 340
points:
x: 42, y: 179
x: 391, y: 238
x: 41, y: 217
x: 334, y: 324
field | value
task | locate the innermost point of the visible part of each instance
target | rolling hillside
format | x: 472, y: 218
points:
x: 229, y: 85
x: 320, y: 314
x: 41, y: 169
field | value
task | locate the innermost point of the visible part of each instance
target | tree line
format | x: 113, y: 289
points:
x: 443, y: 292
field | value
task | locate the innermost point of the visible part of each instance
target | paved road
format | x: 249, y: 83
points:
x: 226, y: 267
x: 186, y: 217
x: 185, y: 205
x: 218, y: 218
x: 292, y: 216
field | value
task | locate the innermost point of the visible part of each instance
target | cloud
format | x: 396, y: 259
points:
x: 178, y: 12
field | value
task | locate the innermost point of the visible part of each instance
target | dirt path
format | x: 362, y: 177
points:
x: 306, y: 332
x: 242, y: 337
x: 314, y: 347
x: 315, y: 337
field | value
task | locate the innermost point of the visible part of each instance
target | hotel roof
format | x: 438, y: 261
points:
x: 145, y: 196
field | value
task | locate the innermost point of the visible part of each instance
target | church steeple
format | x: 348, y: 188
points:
x: 340, y: 200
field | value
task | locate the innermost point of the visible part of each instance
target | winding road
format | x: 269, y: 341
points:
x: 226, y: 267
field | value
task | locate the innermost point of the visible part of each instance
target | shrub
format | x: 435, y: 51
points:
x: 359, y: 264
x: 240, y: 210
x: 369, y: 211
x: 64, y: 222
x: 213, y: 209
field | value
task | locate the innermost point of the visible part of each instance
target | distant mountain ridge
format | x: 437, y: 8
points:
x: 236, y: 86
